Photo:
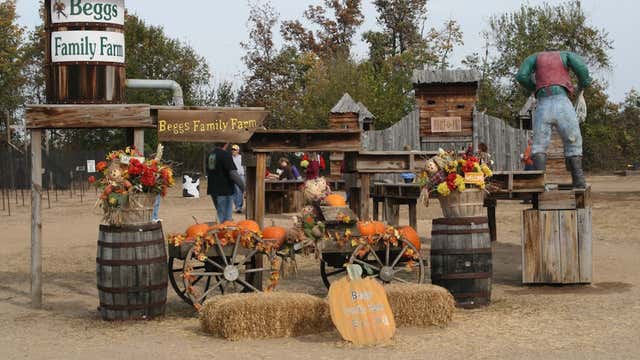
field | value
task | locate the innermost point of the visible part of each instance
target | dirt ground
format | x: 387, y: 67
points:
x: 538, y: 322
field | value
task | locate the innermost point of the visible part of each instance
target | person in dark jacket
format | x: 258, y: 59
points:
x: 222, y: 174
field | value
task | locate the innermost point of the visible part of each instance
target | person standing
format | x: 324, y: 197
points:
x: 222, y: 174
x: 238, y: 194
x: 552, y: 86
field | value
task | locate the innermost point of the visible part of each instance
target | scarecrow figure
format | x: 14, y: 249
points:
x: 59, y: 6
x: 552, y: 87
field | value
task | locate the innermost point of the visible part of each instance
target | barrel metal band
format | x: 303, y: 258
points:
x: 460, y: 232
x: 156, y: 260
x: 122, y: 290
x: 474, y: 275
x: 120, y: 245
x: 130, y: 228
x: 478, y: 251
x: 461, y: 221
x: 133, y: 306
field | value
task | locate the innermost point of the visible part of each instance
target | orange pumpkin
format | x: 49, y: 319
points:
x: 366, y: 228
x: 380, y: 228
x: 411, y: 235
x: 275, y: 233
x: 249, y: 225
x: 335, y: 200
x: 196, y: 230
x: 224, y: 232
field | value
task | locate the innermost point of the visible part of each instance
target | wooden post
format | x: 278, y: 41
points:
x: 365, y: 190
x: 250, y: 190
x: 36, y: 218
x: 413, y: 214
x: 261, y: 168
x: 138, y: 139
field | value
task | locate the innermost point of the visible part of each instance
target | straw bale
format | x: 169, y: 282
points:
x: 265, y: 315
x: 420, y: 304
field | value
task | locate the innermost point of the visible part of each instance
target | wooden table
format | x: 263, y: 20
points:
x: 283, y: 196
x: 392, y: 196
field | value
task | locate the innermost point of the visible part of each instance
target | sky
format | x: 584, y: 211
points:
x: 215, y: 28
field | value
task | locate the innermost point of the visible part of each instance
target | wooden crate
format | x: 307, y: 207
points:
x: 556, y: 246
x: 556, y: 172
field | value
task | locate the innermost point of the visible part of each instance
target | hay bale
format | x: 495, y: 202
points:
x: 420, y: 304
x: 265, y: 315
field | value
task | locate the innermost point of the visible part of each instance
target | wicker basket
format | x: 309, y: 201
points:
x: 139, y: 211
x: 469, y: 203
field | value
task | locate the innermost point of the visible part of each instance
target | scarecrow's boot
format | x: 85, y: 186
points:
x: 540, y: 161
x: 574, y: 164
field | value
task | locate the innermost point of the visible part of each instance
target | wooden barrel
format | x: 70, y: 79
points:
x: 461, y: 259
x: 83, y: 73
x: 131, y: 269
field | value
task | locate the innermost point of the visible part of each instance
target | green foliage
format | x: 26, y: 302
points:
x: 11, y: 63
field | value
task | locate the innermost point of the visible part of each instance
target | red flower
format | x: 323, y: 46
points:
x: 148, y: 177
x: 91, y: 179
x: 135, y: 167
x: 101, y: 166
x: 469, y: 166
x: 451, y: 181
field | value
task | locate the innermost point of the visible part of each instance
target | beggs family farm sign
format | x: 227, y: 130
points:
x: 87, y: 46
x: 209, y: 125
x: 87, y: 11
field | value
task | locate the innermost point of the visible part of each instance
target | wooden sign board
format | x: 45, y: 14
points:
x: 446, y: 124
x: 360, y: 311
x: 235, y: 126
x: 475, y: 178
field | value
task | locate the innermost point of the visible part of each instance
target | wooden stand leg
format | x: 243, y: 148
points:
x: 376, y: 211
x: 490, y: 204
x: 138, y: 139
x: 250, y: 191
x: 365, y: 190
x: 36, y: 218
x: 354, y: 201
x: 413, y: 216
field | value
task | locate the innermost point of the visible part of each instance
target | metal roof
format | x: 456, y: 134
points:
x: 346, y: 105
x: 445, y: 76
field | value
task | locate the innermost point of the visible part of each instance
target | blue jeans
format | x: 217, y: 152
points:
x: 238, y: 197
x: 156, y: 208
x: 559, y: 111
x: 224, y: 207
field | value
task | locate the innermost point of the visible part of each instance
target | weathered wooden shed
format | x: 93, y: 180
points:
x: 349, y: 114
x: 446, y: 101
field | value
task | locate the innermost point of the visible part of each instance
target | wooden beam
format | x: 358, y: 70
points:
x: 343, y: 140
x: 88, y: 116
x: 36, y: 219
x: 365, y: 190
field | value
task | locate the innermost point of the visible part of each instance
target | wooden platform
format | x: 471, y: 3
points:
x: 283, y: 196
x: 556, y: 246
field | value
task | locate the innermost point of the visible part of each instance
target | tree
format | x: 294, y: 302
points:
x: 401, y: 22
x: 443, y: 41
x: 274, y: 77
x: 11, y: 77
x: 334, y: 37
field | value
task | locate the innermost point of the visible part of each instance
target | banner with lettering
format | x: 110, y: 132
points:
x: 87, y: 11
x: 87, y: 46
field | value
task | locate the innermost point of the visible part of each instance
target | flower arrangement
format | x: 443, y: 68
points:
x: 128, y: 182
x: 447, y: 172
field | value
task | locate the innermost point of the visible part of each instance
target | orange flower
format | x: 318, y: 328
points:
x: 101, y: 166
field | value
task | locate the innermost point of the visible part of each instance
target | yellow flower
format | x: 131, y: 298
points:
x: 477, y: 168
x: 459, y: 180
x: 485, y: 169
x: 461, y: 187
x: 452, y: 167
x: 443, y: 189
x: 112, y: 200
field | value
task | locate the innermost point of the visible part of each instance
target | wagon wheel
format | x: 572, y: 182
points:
x: 330, y: 275
x: 176, y: 271
x: 391, y: 264
x: 223, y: 273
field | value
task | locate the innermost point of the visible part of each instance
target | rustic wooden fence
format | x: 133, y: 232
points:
x: 505, y: 143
